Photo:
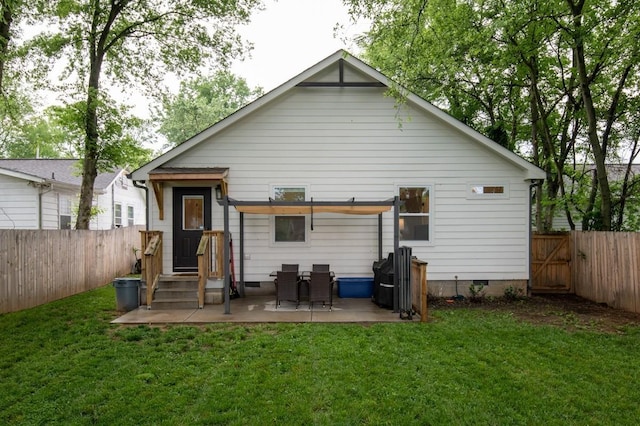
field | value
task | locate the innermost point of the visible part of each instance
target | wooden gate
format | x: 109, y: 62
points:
x: 551, y: 263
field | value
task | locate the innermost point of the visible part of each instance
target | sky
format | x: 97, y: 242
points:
x: 290, y: 36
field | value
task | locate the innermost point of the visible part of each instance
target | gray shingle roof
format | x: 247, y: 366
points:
x: 67, y: 171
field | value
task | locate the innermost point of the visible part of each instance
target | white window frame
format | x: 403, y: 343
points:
x: 429, y: 215
x: 475, y: 191
x: 65, y: 209
x: 117, y: 220
x: 131, y: 217
x: 272, y: 219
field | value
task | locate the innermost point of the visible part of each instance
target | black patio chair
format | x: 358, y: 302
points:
x: 320, y: 267
x: 287, y: 287
x: 289, y: 267
x: 321, y: 288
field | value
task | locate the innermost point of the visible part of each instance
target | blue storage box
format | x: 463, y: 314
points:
x: 359, y: 287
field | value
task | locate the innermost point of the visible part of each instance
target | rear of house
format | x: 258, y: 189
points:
x: 332, y: 134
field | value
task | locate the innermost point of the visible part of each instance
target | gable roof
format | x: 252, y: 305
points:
x: 531, y: 171
x: 61, y: 171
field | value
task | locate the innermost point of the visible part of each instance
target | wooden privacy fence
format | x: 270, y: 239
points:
x: 605, y: 268
x: 40, y: 266
x: 599, y: 266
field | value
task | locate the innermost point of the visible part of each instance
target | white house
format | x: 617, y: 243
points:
x: 333, y: 134
x: 44, y: 193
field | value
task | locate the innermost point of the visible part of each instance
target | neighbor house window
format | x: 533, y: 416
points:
x: 117, y: 215
x: 65, y: 212
x: 289, y: 229
x: 414, y: 213
x: 130, y: 215
x: 488, y: 191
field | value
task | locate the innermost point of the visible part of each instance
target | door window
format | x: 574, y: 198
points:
x: 192, y: 212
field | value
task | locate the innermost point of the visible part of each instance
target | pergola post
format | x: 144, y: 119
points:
x: 227, y: 269
x: 396, y: 252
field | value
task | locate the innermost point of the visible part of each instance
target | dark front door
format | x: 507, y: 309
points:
x: 191, y: 216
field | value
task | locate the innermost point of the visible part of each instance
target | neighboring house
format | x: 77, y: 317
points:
x: 44, y: 194
x: 616, y: 174
x: 332, y: 134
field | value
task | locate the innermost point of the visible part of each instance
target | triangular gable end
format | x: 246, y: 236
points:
x: 341, y: 70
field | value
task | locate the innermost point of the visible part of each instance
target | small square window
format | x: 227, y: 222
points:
x: 487, y: 191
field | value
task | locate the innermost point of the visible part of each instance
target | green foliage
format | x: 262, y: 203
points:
x: 511, y: 69
x: 200, y: 103
x: 123, y: 44
x: 513, y: 293
x: 119, y: 144
x: 477, y: 293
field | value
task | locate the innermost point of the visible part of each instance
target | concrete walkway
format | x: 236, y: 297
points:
x: 259, y: 305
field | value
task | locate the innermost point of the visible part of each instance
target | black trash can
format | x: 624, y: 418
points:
x: 127, y: 293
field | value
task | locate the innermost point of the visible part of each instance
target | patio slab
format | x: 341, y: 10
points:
x: 259, y: 305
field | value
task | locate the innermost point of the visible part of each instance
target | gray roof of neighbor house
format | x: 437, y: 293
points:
x: 66, y: 171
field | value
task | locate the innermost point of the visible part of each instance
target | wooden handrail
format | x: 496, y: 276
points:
x: 151, y: 261
x: 204, y: 262
x: 210, y: 260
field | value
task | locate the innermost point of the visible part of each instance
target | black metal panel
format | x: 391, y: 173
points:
x: 343, y: 84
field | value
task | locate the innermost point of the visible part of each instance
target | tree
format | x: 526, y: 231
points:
x: 7, y: 12
x: 200, y: 103
x: 556, y: 79
x: 122, y: 43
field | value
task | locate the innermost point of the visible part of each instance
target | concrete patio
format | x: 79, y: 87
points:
x: 259, y: 305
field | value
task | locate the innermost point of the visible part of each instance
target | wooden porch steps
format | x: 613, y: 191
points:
x: 176, y: 292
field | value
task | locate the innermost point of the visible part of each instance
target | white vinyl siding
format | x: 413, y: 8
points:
x: 18, y: 204
x: 354, y: 143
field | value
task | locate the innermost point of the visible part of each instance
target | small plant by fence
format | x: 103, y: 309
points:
x: 40, y: 266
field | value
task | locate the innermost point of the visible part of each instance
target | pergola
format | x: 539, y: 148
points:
x: 273, y: 207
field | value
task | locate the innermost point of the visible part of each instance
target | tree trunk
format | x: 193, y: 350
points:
x: 91, y: 140
x: 599, y: 155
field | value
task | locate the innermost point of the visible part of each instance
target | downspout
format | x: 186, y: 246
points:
x: 146, y: 200
x: 40, y: 208
x: 113, y: 209
x: 41, y: 192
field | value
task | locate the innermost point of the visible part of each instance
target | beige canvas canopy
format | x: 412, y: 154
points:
x: 287, y: 210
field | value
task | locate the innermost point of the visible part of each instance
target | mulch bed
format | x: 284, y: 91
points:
x: 568, y: 311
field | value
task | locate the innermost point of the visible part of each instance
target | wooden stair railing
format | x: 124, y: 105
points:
x: 210, y: 260
x: 151, y: 261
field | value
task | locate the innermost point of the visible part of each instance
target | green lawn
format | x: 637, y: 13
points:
x: 64, y: 363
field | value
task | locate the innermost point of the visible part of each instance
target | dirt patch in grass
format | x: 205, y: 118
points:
x: 567, y: 311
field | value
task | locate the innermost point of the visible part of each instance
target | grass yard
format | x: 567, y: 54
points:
x: 64, y: 363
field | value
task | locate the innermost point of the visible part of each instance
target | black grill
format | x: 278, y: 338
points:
x: 383, y: 282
